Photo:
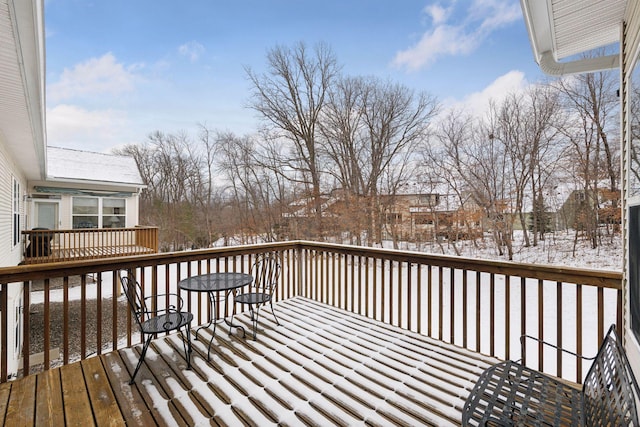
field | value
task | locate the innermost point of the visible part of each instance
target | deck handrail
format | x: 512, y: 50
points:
x: 478, y: 304
x: 42, y: 245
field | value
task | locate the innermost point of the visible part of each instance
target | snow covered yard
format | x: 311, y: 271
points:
x: 557, y: 249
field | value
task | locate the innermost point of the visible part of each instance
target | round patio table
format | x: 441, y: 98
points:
x: 212, y: 284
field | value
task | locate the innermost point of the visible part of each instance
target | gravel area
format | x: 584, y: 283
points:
x: 74, y: 319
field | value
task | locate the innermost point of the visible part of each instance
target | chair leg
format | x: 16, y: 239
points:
x: 187, y: 347
x: 141, y: 360
x: 274, y: 313
x: 255, y: 313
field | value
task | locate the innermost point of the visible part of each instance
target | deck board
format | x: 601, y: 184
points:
x: 77, y: 406
x: 321, y: 367
x: 49, y: 402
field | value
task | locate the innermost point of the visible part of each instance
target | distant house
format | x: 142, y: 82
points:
x: 607, y: 203
x: 429, y: 216
x: 416, y: 216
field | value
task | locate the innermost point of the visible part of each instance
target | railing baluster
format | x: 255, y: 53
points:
x: 26, y: 315
x: 65, y: 319
x: 383, y: 289
x: 507, y: 315
x: 375, y: 287
x: 600, y: 314
x: 541, y: 324
x: 523, y: 312
x: 559, y: 327
x: 478, y: 306
x: 579, y: 320
x: 452, y: 306
x: 419, y: 296
x: 114, y: 313
x: 430, y: 300
x: 83, y: 317
x: 366, y: 287
x: 99, y: 316
x: 359, y: 296
x: 440, y: 303
x: 465, y: 308
x: 399, y: 305
x: 46, y: 327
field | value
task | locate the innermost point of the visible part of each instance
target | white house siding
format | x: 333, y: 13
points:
x: 9, y: 255
x: 630, y: 46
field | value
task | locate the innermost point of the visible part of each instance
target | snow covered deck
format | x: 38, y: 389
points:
x: 323, y: 366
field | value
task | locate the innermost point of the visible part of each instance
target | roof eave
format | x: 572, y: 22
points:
x: 538, y: 18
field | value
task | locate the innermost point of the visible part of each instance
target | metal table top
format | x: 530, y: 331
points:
x: 213, y: 282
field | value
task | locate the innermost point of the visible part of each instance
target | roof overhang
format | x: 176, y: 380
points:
x: 561, y: 29
x: 22, y: 90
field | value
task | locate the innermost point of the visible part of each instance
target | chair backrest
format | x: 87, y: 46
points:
x: 133, y: 291
x: 265, y: 272
x: 610, y: 389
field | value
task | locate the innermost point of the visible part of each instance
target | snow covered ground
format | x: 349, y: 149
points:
x: 556, y: 249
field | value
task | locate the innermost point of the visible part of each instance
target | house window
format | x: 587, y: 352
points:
x: 98, y: 212
x: 393, y: 218
x: 16, y: 212
x: 423, y: 219
x: 113, y: 213
x: 429, y: 199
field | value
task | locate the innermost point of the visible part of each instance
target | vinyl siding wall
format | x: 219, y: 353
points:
x: 9, y: 255
x: 629, y: 48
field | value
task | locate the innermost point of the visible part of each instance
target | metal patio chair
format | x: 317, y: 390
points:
x: 154, y: 322
x: 265, y: 272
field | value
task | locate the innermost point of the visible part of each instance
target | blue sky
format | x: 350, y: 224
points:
x: 118, y: 70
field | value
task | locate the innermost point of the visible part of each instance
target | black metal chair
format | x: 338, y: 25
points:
x: 154, y: 322
x: 265, y: 272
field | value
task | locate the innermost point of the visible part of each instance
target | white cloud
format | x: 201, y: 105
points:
x: 96, y: 76
x: 75, y: 127
x: 437, y: 13
x: 191, y: 50
x: 477, y: 103
x: 450, y: 36
x: 443, y: 40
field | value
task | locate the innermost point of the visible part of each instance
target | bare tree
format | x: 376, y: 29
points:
x: 396, y: 119
x: 290, y: 98
x: 527, y: 124
x: 258, y: 189
x: 478, y: 155
x: 370, y: 129
x: 439, y: 173
x: 171, y: 167
x: 591, y: 101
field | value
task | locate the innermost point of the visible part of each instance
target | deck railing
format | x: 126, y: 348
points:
x: 40, y: 246
x: 482, y: 305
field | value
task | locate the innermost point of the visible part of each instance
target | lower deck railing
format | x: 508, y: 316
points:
x: 45, y: 246
x: 69, y: 308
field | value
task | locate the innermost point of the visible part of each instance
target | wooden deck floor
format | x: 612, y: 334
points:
x: 321, y: 367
